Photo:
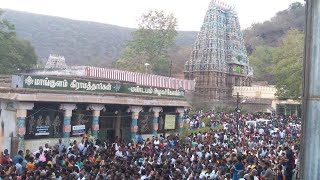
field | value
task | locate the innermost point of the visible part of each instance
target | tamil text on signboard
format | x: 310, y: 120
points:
x: 78, y: 130
x: 57, y: 83
x: 42, y: 130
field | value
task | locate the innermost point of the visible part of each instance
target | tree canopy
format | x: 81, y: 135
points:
x: 262, y: 61
x: 275, y: 50
x: 150, y: 44
x: 288, y: 65
x: 16, y: 54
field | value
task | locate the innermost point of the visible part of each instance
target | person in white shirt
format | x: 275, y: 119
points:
x: 282, y: 134
x: 144, y: 176
x: 119, y: 153
x: 46, y: 147
x: 203, y: 173
x: 210, y: 174
x: 81, y: 176
x: 81, y: 145
x: 191, y: 123
x: 156, y: 143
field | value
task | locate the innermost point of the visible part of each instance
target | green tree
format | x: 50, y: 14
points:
x: 150, y: 44
x: 288, y: 65
x: 178, y: 57
x: 15, y: 54
x: 262, y: 63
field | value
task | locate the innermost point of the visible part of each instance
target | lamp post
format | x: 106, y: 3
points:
x: 238, y: 113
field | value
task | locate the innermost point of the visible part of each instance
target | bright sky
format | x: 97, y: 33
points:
x: 190, y: 13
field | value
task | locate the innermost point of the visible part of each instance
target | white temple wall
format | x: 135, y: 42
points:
x: 8, y: 120
x: 34, y: 144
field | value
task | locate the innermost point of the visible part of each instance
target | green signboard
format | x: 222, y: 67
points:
x: 56, y: 83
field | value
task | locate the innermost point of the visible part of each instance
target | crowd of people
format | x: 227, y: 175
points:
x: 238, y: 151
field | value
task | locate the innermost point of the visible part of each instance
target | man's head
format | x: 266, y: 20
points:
x: 20, y: 161
x: 266, y: 165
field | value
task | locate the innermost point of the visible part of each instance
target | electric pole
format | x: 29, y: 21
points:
x: 310, y: 145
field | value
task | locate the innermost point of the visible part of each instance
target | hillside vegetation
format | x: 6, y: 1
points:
x: 81, y: 42
x: 276, y: 51
x: 269, y: 33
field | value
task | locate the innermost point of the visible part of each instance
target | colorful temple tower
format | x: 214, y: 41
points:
x: 219, y: 58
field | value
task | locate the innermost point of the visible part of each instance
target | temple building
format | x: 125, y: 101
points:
x: 219, y: 58
x: 41, y: 106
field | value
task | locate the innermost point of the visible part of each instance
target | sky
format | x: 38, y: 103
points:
x: 189, y: 13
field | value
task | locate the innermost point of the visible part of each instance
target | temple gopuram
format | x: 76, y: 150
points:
x: 219, y: 58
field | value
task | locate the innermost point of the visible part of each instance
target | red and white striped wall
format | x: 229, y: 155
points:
x: 140, y: 78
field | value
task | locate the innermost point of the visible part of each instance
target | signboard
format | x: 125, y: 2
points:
x: 81, y: 121
x: 145, y: 122
x: 170, y: 122
x: 78, y: 130
x: 42, y: 131
x: 55, y: 83
x: 44, y: 123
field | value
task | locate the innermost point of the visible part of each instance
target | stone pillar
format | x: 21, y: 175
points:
x: 95, y: 119
x: 180, y: 111
x: 155, y: 111
x: 68, y: 108
x: 134, y: 120
x: 21, y: 115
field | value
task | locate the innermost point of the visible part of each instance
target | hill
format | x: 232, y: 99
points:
x: 275, y: 48
x: 81, y: 42
x: 270, y: 32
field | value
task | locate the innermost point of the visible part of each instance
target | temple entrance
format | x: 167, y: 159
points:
x: 106, y: 126
x: 106, y: 135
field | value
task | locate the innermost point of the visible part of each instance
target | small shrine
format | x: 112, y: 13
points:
x: 56, y: 62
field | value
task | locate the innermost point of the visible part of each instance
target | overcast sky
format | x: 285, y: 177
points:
x: 190, y: 13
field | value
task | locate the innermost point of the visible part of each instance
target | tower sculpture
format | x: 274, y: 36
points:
x: 56, y: 62
x: 219, y: 58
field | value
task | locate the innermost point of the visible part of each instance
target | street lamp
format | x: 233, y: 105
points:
x: 238, y: 113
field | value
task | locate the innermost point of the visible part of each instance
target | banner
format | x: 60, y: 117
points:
x: 78, y: 130
x: 56, y: 83
x: 170, y: 122
x: 42, y: 131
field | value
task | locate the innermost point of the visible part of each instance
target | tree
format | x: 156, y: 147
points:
x: 269, y: 33
x: 15, y: 54
x: 262, y: 62
x: 178, y: 57
x: 150, y: 44
x: 288, y: 65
